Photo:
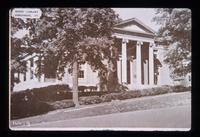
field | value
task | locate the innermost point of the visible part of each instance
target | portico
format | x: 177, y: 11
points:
x: 136, y: 53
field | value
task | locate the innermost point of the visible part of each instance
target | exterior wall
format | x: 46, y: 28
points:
x: 90, y: 77
x: 164, y: 71
x: 185, y: 81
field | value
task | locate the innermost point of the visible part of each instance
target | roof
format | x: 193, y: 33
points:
x: 28, y: 56
x: 135, y: 27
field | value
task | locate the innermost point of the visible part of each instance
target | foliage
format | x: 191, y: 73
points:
x: 90, y: 100
x: 175, y: 33
x: 49, y: 93
x: 70, y: 35
x: 66, y: 32
x: 39, y: 101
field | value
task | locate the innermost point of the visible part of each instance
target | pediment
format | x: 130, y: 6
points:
x: 134, y: 28
x: 134, y: 25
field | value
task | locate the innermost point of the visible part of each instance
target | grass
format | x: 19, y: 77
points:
x: 40, y: 101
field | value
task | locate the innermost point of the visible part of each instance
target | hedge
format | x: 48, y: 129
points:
x: 42, y: 100
x: 35, y: 101
x: 108, y: 97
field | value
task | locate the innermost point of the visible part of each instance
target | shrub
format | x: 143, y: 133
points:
x: 167, y: 88
x: 156, y: 91
x: 50, y: 93
x: 27, y: 108
x: 34, y: 101
x: 82, y: 88
x: 90, y: 100
x: 94, y: 93
x: 110, y: 97
x: 124, y: 95
x: 62, y: 104
x: 41, y: 100
x: 180, y: 88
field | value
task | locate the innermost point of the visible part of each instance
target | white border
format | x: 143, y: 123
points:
x: 80, y: 129
x: 101, y: 129
x: 9, y: 90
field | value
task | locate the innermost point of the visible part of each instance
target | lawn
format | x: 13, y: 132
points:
x: 39, y: 101
x: 115, y: 106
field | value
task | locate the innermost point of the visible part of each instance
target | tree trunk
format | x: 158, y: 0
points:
x: 75, y: 84
x: 112, y: 76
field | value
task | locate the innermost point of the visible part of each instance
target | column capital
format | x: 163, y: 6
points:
x: 139, y: 43
x: 124, y: 40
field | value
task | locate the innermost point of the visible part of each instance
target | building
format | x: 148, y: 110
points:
x: 139, y: 63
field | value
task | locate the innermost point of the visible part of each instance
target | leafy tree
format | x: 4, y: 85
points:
x: 74, y: 36
x: 175, y: 33
x: 18, y: 49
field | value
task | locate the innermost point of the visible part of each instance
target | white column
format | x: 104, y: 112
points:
x: 42, y: 78
x: 28, y: 73
x: 151, y: 64
x: 131, y: 73
x: 119, y: 70
x: 34, y: 67
x: 21, y: 77
x: 138, y: 62
x: 86, y: 67
x: 146, y: 72
x: 132, y: 70
x: 159, y: 69
x: 124, y: 60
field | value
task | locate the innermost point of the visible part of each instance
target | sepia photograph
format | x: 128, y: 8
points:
x: 88, y: 69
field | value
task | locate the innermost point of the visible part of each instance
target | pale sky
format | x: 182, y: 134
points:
x: 145, y: 15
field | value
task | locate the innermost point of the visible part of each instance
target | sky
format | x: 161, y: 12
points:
x: 145, y: 15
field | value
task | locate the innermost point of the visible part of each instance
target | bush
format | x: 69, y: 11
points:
x: 90, y: 100
x: 180, y: 88
x: 34, y: 101
x: 94, y: 93
x: 110, y: 97
x: 50, y: 93
x: 41, y: 100
x: 27, y: 108
x: 135, y: 94
x: 62, y: 104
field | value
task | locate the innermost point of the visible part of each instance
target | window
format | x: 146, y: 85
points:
x: 81, y: 74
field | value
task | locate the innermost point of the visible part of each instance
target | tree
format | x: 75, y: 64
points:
x: 18, y: 49
x: 175, y: 33
x: 74, y: 36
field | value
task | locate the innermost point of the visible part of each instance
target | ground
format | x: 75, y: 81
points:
x: 171, y: 110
